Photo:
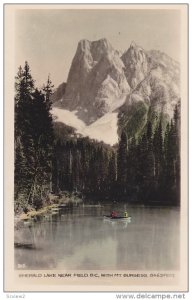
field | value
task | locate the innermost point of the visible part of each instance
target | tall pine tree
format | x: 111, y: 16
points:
x: 33, y: 141
x: 122, y: 163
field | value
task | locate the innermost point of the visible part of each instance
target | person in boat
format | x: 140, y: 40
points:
x: 113, y: 214
x: 125, y: 214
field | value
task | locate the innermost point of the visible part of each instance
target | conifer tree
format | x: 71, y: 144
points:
x: 122, y: 162
x: 158, y: 151
x: 33, y: 140
x: 24, y: 87
x: 112, y: 173
x: 172, y: 160
x: 48, y: 92
x: 132, y: 165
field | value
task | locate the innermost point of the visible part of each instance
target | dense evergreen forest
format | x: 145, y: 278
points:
x: 50, y: 157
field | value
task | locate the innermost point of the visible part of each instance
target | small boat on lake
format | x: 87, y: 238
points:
x: 118, y: 218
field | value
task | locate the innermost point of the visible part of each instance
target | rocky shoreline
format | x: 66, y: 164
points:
x: 54, y: 202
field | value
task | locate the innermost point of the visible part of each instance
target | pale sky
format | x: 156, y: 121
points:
x: 48, y: 39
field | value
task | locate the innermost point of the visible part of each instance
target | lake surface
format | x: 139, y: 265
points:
x: 80, y: 238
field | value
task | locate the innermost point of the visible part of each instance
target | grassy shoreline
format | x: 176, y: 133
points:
x: 53, y: 202
x: 33, y: 213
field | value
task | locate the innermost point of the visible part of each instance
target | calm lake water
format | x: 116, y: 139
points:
x: 80, y: 238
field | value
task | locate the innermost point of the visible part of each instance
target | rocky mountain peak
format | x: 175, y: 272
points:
x: 101, y: 81
x: 96, y: 81
x: 133, y: 45
x: 136, y: 65
x: 101, y: 44
x: 94, y: 49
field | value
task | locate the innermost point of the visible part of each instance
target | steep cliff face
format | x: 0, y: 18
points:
x: 136, y: 86
x: 60, y: 91
x: 96, y: 83
x: 164, y: 82
x: 136, y: 64
x: 154, y: 95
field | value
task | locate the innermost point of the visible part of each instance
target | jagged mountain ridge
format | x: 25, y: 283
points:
x: 139, y: 82
x: 154, y: 94
x: 96, y: 81
x: 136, y: 64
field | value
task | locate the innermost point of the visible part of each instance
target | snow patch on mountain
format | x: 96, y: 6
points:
x: 67, y: 117
x: 104, y: 129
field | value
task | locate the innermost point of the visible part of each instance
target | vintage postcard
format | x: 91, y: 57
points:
x: 96, y: 136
